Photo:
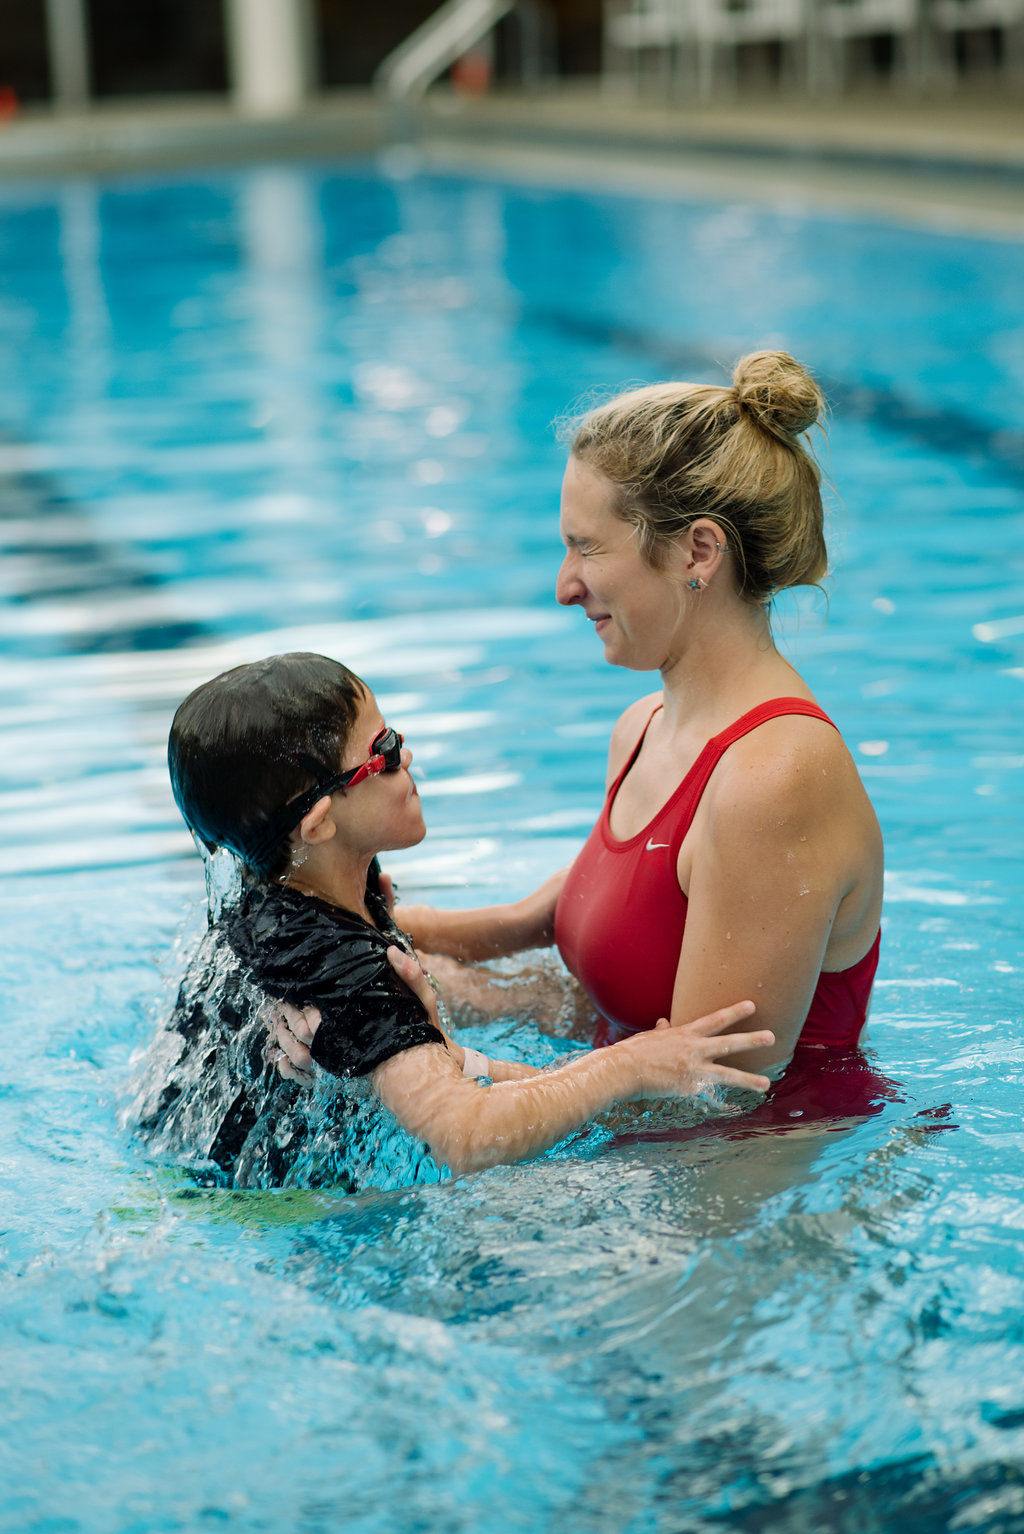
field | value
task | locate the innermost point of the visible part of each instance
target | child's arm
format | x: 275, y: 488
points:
x: 524, y: 1111
x: 469, y: 1126
x: 292, y: 1030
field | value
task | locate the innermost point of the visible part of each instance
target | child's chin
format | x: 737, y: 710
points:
x: 412, y: 838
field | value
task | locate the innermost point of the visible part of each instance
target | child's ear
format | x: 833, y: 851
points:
x: 316, y: 825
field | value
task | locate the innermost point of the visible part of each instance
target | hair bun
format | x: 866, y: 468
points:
x: 778, y: 393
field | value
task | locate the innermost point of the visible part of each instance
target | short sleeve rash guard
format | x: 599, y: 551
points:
x: 307, y: 951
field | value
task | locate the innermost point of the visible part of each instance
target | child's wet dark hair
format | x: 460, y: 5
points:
x: 245, y: 743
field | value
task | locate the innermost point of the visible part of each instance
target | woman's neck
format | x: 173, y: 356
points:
x: 728, y: 664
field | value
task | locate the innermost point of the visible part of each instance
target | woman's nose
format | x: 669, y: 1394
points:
x: 406, y: 756
x: 569, y: 588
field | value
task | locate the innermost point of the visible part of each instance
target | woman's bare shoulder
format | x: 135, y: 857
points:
x: 793, y: 765
x: 629, y: 726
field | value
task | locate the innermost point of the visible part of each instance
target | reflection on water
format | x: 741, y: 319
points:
x: 312, y: 409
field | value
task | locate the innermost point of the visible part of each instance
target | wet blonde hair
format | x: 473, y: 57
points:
x: 679, y: 451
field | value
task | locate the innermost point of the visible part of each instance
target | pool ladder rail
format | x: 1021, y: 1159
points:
x: 454, y: 29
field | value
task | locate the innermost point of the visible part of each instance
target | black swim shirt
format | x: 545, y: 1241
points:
x: 305, y: 951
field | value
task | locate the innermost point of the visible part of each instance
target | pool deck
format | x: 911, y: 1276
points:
x: 956, y: 159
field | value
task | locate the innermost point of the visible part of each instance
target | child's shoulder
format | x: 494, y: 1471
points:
x: 287, y: 938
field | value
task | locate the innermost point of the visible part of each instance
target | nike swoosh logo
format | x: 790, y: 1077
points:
x: 653, y: 846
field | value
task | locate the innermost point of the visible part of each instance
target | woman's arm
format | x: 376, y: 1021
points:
x: 535, y: 990
x: 784, y: 877
x: 489, y: 932
x: 495, y: 932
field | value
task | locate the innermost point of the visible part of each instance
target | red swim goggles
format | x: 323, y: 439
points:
x: 385, y: 756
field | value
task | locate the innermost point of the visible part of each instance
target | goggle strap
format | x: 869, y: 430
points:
x: 295, y: 811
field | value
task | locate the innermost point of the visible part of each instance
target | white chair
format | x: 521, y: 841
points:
x: 837, y: 23
x: 721, y: 27
x: 948, y: 18
x: 635, y: 28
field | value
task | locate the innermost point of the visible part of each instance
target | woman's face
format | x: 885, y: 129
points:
x: 636, y: 611
x: 382, y: 812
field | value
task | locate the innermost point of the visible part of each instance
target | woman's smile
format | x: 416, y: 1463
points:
x: 633, y: 607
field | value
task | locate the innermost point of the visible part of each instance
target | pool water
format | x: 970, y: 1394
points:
x: 311, y: 408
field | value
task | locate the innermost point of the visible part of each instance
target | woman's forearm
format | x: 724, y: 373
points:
x: 488, y: 932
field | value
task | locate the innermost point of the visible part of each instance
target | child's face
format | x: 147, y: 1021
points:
x: 382, y: 812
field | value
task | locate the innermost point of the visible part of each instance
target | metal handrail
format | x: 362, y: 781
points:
x: 456, y: 27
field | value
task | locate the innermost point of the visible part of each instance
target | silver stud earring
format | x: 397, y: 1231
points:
x: 723, y: 548
x: 697, y: 584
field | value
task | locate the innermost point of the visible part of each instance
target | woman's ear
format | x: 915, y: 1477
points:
x: 707, y: 547
x: 316, y: 825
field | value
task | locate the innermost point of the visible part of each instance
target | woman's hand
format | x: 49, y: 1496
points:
x: 674, y: 1061
x: 418, y: 921
x: 410, y: 972
x: 388, y: 892
x: 291, y: 1033
x: 408, y: 969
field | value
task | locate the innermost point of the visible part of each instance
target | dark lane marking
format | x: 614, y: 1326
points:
x: 944, y: 430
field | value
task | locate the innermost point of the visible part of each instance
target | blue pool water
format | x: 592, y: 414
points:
x: 312, y: 408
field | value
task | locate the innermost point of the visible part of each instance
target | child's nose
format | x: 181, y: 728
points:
x: 406, y: 756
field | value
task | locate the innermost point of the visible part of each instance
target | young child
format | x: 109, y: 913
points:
x: 289, y: 765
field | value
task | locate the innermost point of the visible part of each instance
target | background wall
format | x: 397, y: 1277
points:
x: 176, y: 47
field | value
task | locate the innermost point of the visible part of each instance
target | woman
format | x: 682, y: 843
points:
x: 737, y: 853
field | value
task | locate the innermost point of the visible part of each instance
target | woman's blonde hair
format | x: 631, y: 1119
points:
x: 679, y: 451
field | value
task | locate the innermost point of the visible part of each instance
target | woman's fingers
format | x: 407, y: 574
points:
x: 290, y: 1072
x: 291, y: 1060
x: 291, y: 1030
x: 292, y: 1049
x: 300, y: 1022
x: 409, y: 972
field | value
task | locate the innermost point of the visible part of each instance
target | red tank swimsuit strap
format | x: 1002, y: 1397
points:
x: 696, y: 780
x: 613, y: 790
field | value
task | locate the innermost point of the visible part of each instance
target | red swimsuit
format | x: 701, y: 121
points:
x: 620, y: 917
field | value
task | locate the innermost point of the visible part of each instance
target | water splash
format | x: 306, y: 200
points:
x: 207, y: 1099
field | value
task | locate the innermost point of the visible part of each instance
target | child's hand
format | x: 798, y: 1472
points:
x: 675, y: 1061
x: 291, y: 1033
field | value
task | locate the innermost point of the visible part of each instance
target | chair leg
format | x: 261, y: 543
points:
x: 813, y: 73
x: 940, y: 60
x: 1013, y: 49
x: 685, y: 84
x: 705, y: 69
